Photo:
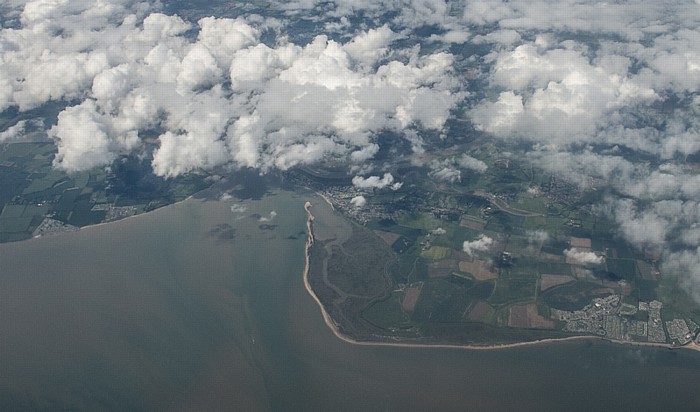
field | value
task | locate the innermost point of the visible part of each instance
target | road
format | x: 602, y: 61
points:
x: 502, y: 205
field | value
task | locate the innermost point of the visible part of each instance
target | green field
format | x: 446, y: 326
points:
x: 528, y: 202
x: 514, y: 289
x: 421, y: 221
x: 624, y: 268
x: 51, y: 179
x: 435, y: 253
x: 551, y: 225
x: 388, y: 313
x: 554, y: 268
x: 571, y: 296
x: 441, y: 301
x: 14, y: 225
x: 12, y: 211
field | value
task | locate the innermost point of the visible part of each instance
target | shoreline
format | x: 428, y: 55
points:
x: 89, y: 227
x: 324, y: 197
x: 134, y: 216
x: 338, y: 334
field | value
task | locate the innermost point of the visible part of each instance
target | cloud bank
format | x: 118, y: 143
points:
x: 222, y: 97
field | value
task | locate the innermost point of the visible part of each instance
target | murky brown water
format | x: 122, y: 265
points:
x: 173, y: 310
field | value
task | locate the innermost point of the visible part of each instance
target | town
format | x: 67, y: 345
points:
x: 608, y: 317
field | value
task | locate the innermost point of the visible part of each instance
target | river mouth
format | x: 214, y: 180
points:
x: 202, y: 305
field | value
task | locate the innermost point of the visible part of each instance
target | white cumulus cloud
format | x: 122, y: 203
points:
x: 583, y: 257
x: 375, y: 182
x: 220, y: 98
x: 358, y: 202
x: 481, y: 244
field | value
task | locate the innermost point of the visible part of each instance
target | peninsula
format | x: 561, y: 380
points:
x: 363, y: 304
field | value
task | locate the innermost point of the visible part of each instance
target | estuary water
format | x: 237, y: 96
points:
x: 201, y: 306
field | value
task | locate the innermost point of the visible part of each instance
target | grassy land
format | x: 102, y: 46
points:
x: 677, y: 301
x: 514, y: 289
x: 423, y: 221
x: 529, y: 202
x: 30, y: 189
x: 435, y: 253
x: 387, y: 313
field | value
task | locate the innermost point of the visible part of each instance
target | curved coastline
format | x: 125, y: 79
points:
x: 190, y: 197
x: 111, y: 222
x: 334, y: 328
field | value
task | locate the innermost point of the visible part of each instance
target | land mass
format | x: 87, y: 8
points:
x: 511, y: 254
x: 334, y: 327
x: 38, y: 200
